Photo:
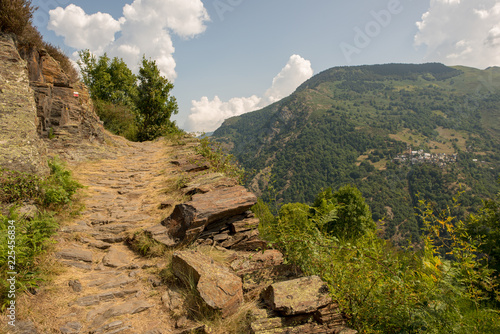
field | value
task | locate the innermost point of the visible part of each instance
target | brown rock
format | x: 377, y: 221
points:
x: 298, y: 296
x: 245, y: 225
x: 190, y: 219
x: 208, y: 182
x: 114, y: 258
x: 217, y: 285
x: 129, y: 307
x: 75, y: 254
x: 193, y: 164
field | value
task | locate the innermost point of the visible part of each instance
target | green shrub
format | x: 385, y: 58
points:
x: 52, y: 192
x: 18, y: 186
x: 220, y: 161
x: 383, y: 289
x: 32, y: 237
x: 59, y: 187
x: 117, y: 118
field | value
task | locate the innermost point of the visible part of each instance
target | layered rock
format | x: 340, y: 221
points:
x: 20, y: 148
x: 301, y: 306
x: 218, y: 286
x: 205, y: 212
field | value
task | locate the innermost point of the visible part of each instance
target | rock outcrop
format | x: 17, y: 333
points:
x: 218, y: 286
x: 38, y: 101
x: 64, y: 108
x: 20, y: 147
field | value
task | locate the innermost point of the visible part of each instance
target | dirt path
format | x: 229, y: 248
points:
x: 104, y: 286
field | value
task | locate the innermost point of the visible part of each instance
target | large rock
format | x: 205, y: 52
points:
x: 298, y: 296
x: 188, y: 220
x: 217, y: 285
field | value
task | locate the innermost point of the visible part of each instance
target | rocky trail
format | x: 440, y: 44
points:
x: 169, y: 195
x: 105, y: 287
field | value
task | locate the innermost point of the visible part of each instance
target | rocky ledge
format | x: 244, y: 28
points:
x: 218, y: 216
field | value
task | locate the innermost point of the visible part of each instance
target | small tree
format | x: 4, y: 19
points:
x: 154, y: 103
x: 352, y: 217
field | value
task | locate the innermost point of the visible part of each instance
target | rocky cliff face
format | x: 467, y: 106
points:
x: 20, y: 147
x: 40, y: 107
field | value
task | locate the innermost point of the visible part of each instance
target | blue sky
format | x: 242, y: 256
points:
x: 227, y: 57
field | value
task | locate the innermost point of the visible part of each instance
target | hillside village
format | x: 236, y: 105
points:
x: 420, y: 156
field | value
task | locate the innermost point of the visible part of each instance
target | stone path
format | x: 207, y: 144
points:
x: 104, y: 286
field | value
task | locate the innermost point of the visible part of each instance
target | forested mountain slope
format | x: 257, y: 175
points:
x: 394, y: 131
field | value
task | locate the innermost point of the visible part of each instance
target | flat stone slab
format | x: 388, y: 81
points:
x: 218, y: 286
x: 298, y: 296
x: 75, y: 254
x: 115, y: 259
x: 129, y: 307
x: 109, y: 238
x: 76, y: 264
x: 112, y: 282
x: 104, y: 297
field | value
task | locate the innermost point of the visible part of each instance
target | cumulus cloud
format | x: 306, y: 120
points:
x: 461, y: 32
x: 145, y: 28
x: 82, y: 31
x: 207, y: 115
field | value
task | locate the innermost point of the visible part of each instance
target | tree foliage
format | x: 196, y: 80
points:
x: 154, y: 103
x: 109, y: 80
x: 485, y: 227
x: 383, y: 289
x: 138, y: 107
x: 353, y: 217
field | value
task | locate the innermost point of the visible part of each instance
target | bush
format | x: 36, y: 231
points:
x: 32, y: 237
x: 220, y: 161
x: 59, y: 187
x: 18, y: 186
x: 117, y: 118
x: 382, y: 289
x: 15, y: 15
x: 52, y: 192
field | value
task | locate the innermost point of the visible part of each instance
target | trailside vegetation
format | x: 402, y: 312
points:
x: 33, y: 231
x: 440, y: 285
x: 136, y: 107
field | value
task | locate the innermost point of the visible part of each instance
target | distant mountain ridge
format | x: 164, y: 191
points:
x: 346, y: 125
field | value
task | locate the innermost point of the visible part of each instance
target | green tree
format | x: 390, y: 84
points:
x: 352, y: 217
x: 154, y: 103
x: 108, y: 80
x: 113, y: 89
x: 485, y: 226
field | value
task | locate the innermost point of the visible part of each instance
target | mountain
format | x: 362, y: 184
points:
x: 398, y: 132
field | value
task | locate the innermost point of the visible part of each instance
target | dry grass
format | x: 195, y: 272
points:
x: 142, y: 243
x: 238, y: 323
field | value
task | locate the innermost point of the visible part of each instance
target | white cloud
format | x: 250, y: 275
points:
x: 461, y: 32
x: 145, y: 28
x: 296, y: 71
x: 82, y: 31
x: 207, y: 115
